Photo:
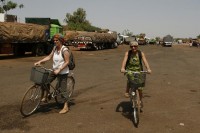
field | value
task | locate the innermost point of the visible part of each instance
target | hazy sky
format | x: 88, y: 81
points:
x: 179, y: 18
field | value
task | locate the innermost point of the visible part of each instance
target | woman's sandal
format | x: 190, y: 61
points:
x: 63, y: 111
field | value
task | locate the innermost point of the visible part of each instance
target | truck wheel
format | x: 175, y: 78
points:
x: 96, y: 47
x: 100, y: 47
x: 115, y: 45
x: 40, y: 50
x: 112, y: 46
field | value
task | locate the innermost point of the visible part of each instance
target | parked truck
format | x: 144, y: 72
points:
x: 33, y: 36
x: 142, y: 39
x: 167, y: 41
x: 95, y: 40
x: 18, y: 38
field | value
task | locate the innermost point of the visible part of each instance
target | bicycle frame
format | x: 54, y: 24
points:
x: 135, y: 96
x: 34, y: 94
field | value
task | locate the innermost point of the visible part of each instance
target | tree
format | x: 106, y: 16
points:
x: 77, y: 21
x: 198, y: 37
x: 127, y: 32
x: 157, y: 39
x: 6, y: 6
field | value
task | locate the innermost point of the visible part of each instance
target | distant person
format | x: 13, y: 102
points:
x: 60, y: 57
x: 133, y: 62
x: 190, y: 43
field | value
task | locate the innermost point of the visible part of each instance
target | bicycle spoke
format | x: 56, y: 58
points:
x: 31, y: 100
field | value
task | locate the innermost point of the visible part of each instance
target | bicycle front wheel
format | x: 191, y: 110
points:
x: 31, y: 100
x: 135, y: 108
x: 69, y: 91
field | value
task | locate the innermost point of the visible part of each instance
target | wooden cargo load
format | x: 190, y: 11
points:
x: 13, y: 32
x: 95, y: 36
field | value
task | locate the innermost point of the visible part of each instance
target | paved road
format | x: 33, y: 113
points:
x: 171, y: 96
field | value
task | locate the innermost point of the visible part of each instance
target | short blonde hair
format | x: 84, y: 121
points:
x: 133, y: 43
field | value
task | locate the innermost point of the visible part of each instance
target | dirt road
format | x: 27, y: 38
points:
x: 171, y: 96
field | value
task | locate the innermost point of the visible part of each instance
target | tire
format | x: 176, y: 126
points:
x: 40, y: 50
x: 70, y: 89
x: 100, y: 47
x: 135, y: 110
x: 31, y: 100
x: 135, y: 117
x: 115, y: 45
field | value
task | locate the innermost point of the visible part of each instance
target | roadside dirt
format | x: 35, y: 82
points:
x: 171, y: 95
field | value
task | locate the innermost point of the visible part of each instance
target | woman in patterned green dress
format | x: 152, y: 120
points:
x: 133, y: 61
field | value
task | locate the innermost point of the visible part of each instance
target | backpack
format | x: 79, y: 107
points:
x: 140, y: 58
x: 71, y: 64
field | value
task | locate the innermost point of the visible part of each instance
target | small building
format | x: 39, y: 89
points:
x: 7, y: 18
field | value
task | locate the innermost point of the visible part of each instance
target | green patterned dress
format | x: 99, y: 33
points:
x: 134, y: 65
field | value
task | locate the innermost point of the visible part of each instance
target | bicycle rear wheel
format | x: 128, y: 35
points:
x: 69, y: 91
x: 31, y: 100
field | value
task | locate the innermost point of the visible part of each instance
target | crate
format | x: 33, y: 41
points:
x: 39, y: 75
x: 137, y: 80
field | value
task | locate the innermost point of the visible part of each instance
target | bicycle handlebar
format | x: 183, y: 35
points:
x: 44, y: 68
x: 136, y: 72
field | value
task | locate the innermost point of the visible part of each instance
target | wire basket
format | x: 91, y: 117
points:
x: 136, y: 79
x: 39, y: 75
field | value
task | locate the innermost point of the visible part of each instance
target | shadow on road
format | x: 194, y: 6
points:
x: 125, y: 109
x: 52, y: 107
x: 10, y: 118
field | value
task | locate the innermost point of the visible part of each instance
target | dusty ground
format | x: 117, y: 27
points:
x: 171, y: 96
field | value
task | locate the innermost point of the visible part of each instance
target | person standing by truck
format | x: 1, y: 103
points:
x: 133, y: 62
x: 60, y: 56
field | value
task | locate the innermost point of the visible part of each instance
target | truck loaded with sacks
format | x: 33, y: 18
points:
x: 34, y: 37
x: 94, y: 40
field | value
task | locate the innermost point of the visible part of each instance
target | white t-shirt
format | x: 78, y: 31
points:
x: 58, y: 60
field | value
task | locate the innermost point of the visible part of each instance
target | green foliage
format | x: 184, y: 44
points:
x: 77, y: 21
x: 157, y: 38
x: 6, y: 6
x: 198, y: 37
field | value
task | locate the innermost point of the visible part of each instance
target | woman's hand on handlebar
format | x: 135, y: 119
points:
x: 122, y: 70
x: 149, y: 71
x: 37, y: 63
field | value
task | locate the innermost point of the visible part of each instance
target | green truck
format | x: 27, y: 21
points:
x: 32, y: 36
x: 53, y: 25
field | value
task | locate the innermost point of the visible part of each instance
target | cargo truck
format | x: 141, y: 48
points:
x: 167, y: 41
x: 95, y: 40
x: 33, y: 36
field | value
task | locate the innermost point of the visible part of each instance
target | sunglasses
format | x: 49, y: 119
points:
x: 134, y: 46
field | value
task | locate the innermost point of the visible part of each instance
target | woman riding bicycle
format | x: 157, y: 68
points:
x: 133, y: 62
x: 60, y: 57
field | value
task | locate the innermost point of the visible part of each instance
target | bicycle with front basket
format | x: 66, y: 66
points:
x: 32, y: 97
x: 136, y: 80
